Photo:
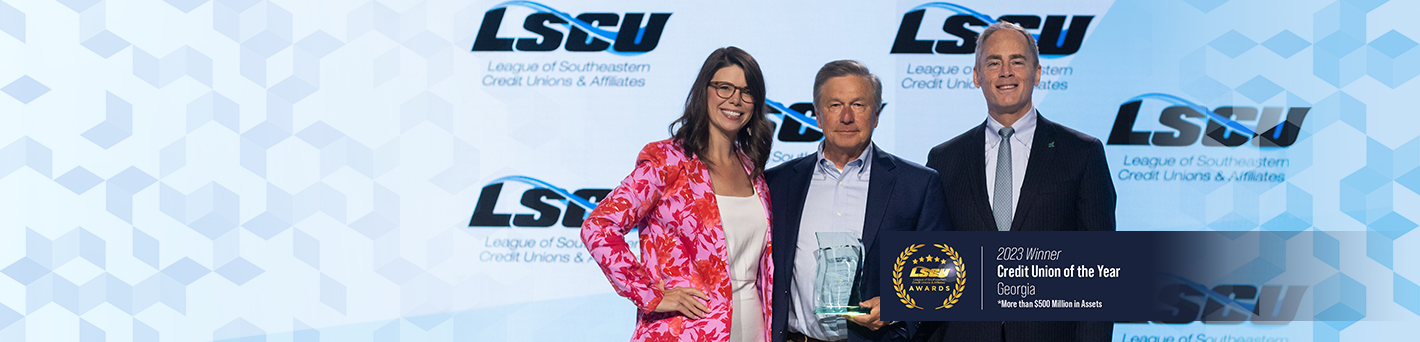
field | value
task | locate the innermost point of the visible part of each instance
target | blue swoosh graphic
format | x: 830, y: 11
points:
x: 805, y: 119
x: 1178, y: 101
x: 956, y: 8
x: 545, y: 185
x: 1245, y: 307
x: 585, y: 26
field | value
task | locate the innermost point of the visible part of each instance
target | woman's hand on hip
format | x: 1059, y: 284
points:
x: 686, y: 300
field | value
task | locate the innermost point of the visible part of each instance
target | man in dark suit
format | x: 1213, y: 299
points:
x: 1020, y: 172
x: 850, y: 186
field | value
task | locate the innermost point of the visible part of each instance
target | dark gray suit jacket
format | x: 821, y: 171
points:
x: 901, y: 196
x: 1067, y: 188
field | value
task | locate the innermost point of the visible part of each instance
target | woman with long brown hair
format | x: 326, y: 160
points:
x: 702, y: 207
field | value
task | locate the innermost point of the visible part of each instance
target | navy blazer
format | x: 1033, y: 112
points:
x: 901, y: 196
x: 1067, y: 188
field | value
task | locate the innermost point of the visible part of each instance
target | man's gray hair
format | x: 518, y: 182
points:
x: 1005, y: 25
x: 848, y: 67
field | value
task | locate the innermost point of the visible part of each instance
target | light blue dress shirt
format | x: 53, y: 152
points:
x: 836, y: 202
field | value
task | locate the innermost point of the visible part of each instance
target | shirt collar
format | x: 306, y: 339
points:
x: 1025, y: 129
x: 863, y: 160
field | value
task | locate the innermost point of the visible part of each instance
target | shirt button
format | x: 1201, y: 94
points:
x: 840, y: 214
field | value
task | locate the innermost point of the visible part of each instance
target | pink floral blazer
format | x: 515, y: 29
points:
x: 669, y: 197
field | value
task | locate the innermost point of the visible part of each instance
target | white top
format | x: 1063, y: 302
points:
x: 745, y: 226
x: 1020, y: 155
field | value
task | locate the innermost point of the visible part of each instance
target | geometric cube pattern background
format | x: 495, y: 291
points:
x: 186, y: 151
x: 260, y: 170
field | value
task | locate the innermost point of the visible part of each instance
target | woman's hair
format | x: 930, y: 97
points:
x: 692, y: 130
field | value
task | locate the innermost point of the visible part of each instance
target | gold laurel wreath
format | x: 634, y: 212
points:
x: 897, y: 276
x: 961, y: 277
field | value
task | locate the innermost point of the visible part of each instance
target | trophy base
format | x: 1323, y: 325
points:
x: 841, y: 310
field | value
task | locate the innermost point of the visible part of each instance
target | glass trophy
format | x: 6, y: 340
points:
x: 840, y: 263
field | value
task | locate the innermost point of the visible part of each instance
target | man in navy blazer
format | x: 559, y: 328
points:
x: 849, y: 186
x: 1020, y: 172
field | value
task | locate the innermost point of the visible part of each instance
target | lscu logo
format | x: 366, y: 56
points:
x: 578, y: 205
x: 585, y: 32
x: 1188, y: 301
x: 1222, y: 127
x: 930, y: 272
x: 1052, y: 35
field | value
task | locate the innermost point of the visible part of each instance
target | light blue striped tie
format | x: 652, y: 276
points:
x: 1001, y: 201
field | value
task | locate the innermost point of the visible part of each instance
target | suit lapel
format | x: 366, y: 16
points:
x: 794, y: 214
x: 803, y: 173
x: 976, y: 160
x: 881, y: 179
x: 1041, y: 159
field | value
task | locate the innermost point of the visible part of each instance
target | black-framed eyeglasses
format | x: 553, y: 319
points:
x: 725, y: 90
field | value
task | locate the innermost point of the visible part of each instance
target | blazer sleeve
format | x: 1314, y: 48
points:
x: 1096, y: 195
x: 933, y: 217
x: 627, y: 206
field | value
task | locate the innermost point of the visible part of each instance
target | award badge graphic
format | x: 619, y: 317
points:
x: 932, y: 272
x: 1166, y: 277
x: 1045, y: 276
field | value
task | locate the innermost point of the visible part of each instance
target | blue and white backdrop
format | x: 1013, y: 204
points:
x: 180, y: 170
